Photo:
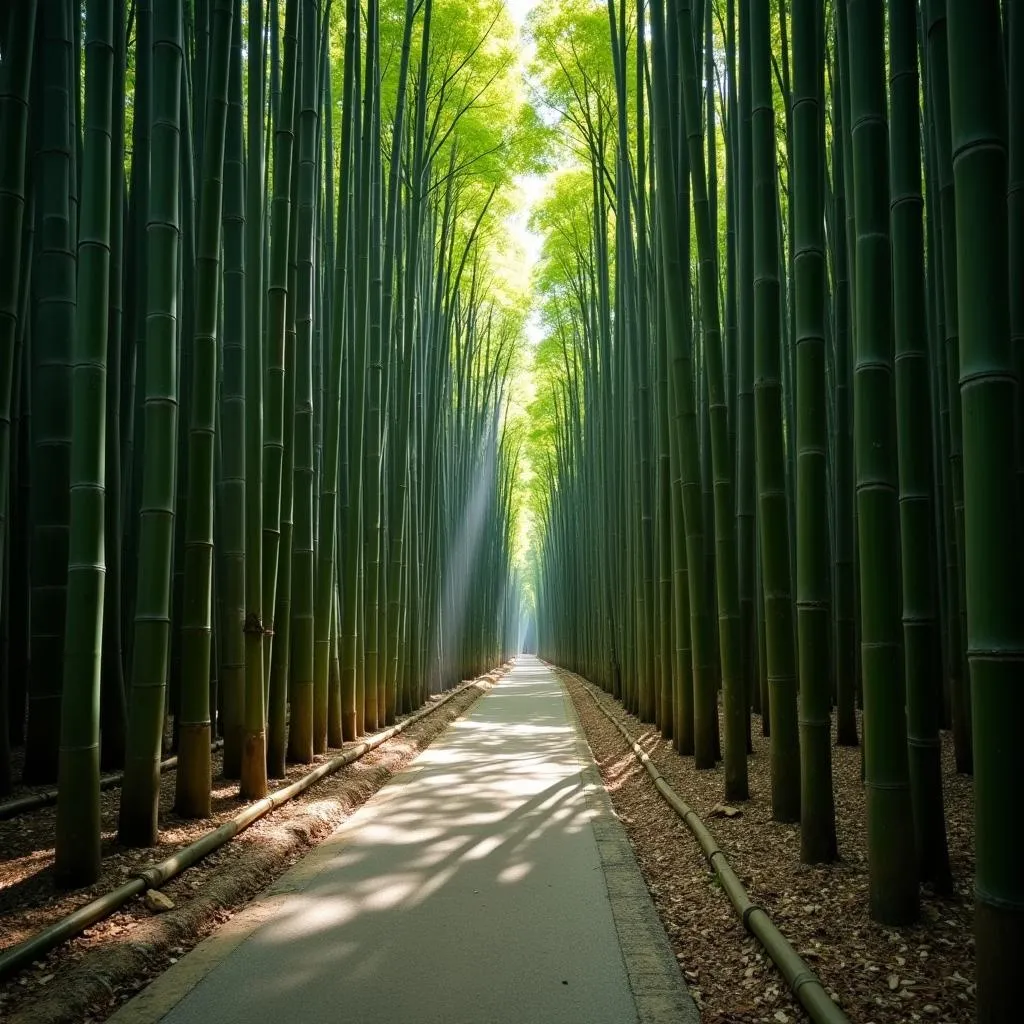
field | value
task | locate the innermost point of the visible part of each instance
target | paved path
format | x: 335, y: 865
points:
x: 488, y: 883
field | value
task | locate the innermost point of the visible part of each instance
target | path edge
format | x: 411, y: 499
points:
x: 658, y: 987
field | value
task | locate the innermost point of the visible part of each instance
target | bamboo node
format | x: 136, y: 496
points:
x: 254, y: 624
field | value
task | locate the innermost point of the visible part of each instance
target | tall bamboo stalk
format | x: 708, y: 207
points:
x: 138, y: 821
x: 77, y: 846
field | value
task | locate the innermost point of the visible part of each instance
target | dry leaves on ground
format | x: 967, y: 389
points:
x: 877, y: 974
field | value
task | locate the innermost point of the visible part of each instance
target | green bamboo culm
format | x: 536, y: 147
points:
x: 914, y: 421
x: 844, y: 632
x: 1013, y: 30
x: 892, y: 862
x: 773, y: 517
x: 817, y: 807
x: 994, y: 567
x: 230, y: 519
x: 77, y: 846
x: 52, y: 333
x: 326, y: 639
x: 113, y: 696
x: 353, y: 708
x: 693, y: 701
x: 192, y: 782
x: 276, y: 486
x: 288, y: 718
x: 746, y: 475
x: 946, y: 228
x: 15, y: 76
x: 400, y: 408
x: 137, y: 820
x: 302, y: 627
x: 736, y: 785
x: 253, y: 773
x: 371, y: 450
x: 345, y: 296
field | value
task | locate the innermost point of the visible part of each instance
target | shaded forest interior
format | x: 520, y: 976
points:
x: 349, y: 349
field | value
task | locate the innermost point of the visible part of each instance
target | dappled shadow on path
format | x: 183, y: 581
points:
x: 468, y: 890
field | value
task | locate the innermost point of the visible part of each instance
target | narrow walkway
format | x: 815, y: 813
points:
x: 488, y: 883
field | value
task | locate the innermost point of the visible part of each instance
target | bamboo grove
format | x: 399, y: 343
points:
x: 784, y: 319
x: 256, y: 479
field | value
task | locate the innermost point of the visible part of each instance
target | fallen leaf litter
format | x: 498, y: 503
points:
x: 822, y: 910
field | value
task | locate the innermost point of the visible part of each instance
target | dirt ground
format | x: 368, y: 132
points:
x: 88, y: 978
x: 878, y: 975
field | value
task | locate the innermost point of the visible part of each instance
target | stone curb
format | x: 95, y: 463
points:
x: 658, y: 987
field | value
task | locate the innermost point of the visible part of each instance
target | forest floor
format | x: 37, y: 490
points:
x: 878, y: 975
x: 86, y: 979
